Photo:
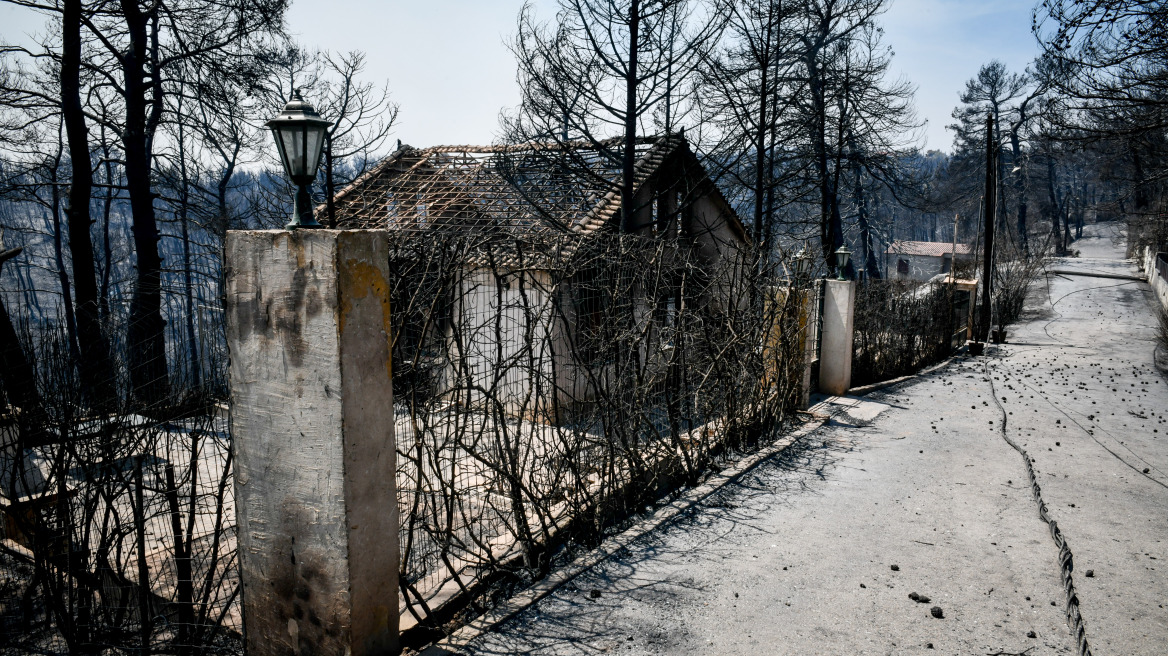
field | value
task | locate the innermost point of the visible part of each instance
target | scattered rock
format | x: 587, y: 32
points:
x: 896, y: 568
x: 1090, y: 574
x: 1031, y: 634
x: 929, y: 646
x: 937, y: 612
x: 863, y: 586
x: 1146, y: 470
x: 914, y: 596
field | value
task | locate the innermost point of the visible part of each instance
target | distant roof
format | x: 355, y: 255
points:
x: 526, y: 189
x: 934, y: 248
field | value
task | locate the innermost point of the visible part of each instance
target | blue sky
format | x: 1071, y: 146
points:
x: 448, y: 66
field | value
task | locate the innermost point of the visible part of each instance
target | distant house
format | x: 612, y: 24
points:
x: 517, y: 322
x: 922, y: 260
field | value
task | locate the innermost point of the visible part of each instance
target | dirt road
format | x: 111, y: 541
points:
x: 915, y: 490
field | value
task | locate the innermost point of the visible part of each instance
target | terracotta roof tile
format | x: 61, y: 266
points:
x: 933, y: 248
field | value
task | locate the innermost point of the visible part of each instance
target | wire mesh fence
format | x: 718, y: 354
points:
x: 544, y: 393
x: 550, y: 379
x: 118, y: 527
x: 544, y: 390
x: 901, y: 327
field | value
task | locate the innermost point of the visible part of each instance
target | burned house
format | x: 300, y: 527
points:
x: 513, y: 285
x: 923, y: 260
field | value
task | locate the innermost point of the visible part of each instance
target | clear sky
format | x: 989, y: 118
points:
x: 449, y: 68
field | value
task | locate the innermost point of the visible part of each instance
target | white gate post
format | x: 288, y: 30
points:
x: 312, y: 419
x: 835, y: 353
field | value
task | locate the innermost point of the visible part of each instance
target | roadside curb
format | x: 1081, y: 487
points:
x: 867, y: 389
x: 661, y: 517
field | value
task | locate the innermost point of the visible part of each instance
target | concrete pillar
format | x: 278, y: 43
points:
x: 312, y: 417
x: 808, y: 325
x: 835, y: 353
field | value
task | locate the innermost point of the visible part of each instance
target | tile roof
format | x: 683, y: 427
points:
x: 528, y: 190
x: 933, y: 248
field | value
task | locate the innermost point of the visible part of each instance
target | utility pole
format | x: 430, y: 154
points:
x: 953, y: 253
x: 983, y: 322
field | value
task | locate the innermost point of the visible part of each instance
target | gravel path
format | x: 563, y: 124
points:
x: 916, y: 491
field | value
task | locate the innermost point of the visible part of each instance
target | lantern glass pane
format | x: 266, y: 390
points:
x: 315, y: 141
x: 277, y: 136
x: 294, y: 142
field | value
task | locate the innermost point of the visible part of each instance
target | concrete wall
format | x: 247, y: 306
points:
x: 311, y: 384
x: 1157, y: 274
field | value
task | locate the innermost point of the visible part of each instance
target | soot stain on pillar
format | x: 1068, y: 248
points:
x: 309, y: 616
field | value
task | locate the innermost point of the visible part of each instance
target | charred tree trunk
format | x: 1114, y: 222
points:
x: 1141, y: 189
x: 830, y: 225
x: 1020, y: 192
x: 1055, y: 210
x: 54, y: 228
x: 869, y: 264
x: 630, y: 147
x: 94, y: 363
x: 196, y: 380
x: 760, y: 154
x: 146, y: 331
x: 106, y: 248
x: 1000, y: 174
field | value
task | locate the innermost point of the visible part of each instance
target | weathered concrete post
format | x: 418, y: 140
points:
x: 808, y: 323
x: 835, y: 354
x: 311, y: 385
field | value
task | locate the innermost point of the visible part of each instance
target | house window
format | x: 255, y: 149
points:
x: 902, y: 267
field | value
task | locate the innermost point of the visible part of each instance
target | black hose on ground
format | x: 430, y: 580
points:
x: 1066, y: 560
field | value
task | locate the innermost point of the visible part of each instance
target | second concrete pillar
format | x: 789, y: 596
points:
x: 835, y: 351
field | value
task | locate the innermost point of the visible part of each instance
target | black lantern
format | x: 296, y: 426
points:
x: 842, y: 256
x: 802, y: 263
x: 300, y: 132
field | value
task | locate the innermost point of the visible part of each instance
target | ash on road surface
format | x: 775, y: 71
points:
x: 798, y: 557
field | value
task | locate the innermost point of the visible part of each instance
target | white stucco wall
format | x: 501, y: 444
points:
x: 920, y: 267
x: 1159, y: 283
x: 506, y: 332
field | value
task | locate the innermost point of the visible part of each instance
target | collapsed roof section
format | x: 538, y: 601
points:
x: 931, y: 248
x: 516, y: 190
